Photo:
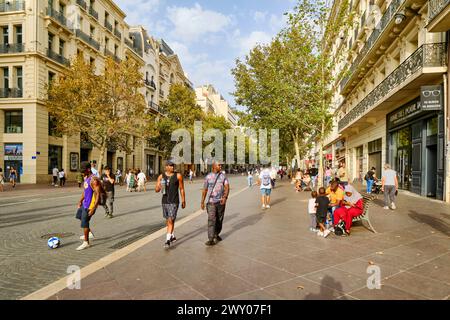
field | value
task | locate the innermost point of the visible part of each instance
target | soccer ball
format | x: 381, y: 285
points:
x: 53, y: 242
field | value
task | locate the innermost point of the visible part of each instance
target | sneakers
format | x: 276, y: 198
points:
x: 218, y: 238
x: 267, y: 206
x: 326, y: 233
x: 263, y: 206
x: 210, y: 243
x: 393, y: 207
x: 320, y: 233
x: 167, y: 244
x: 91, y: 236
x: 85, y: 245
x: 386, y: 208
x: 173, y: 239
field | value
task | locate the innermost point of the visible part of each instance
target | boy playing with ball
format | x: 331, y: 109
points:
x: 88, y: 203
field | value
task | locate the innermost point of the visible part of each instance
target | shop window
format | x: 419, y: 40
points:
x: 54, y: 158
x: 14, y: 121
x: 375, y: 146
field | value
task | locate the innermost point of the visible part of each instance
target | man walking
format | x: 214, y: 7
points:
x: 265, y: 183
x: 389, y: 185
x: 88, y: 203
x: 55, y: 173
x: 370, y: 177
x: 171, y: 184
x: 109, y: 180
x: 142, y: 179
x: 217, y: 188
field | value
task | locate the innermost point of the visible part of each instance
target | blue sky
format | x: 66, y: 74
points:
x: 208, y: 35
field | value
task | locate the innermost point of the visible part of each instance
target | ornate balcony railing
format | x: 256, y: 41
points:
x: 374, y: 36
x: 428, y: 55
x: 93, y: 13
x: 10, y: 6
x: 86, y: 38
x: 108, y: 26
x: 11, y: 48
x: 58, y: 17
x: 58, y: 58
x: 11, y: 93
x: 118, y: 34
x: 82, y: 4
x: 435, y: 7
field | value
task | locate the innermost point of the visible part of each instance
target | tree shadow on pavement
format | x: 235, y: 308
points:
x: 434, y: 222
x: 330, y: 289
x: 277, y: 201
x: 243, y: 223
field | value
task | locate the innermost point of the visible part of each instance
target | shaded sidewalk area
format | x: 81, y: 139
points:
x: 271, y: 254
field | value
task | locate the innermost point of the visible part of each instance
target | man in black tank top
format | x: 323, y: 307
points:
x: 171, y: 184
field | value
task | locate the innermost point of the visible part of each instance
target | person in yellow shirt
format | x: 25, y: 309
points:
x: 336, y: 195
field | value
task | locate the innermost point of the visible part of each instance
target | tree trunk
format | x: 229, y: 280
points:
x: 320, y: 178
x: 297, y: 150
x: 100, y: 159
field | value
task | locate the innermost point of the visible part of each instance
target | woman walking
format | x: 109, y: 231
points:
x: 12, y: 176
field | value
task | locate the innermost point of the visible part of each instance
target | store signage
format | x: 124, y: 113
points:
x: 404, y: 114
x: 431, y: 97
x: 13, y: 152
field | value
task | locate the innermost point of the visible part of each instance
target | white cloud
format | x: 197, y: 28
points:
x: 187, y: 58
x: 247, y: 43
x: 192, y: 24
x: 259, y: 16
x: 276, y: 23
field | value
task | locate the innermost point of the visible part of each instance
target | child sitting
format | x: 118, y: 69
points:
x: 322, y: 203
x: 312, y: 211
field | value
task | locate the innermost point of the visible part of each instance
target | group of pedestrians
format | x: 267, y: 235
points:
x: 136, y: 180
x: 100, y: 192
x: 12, y: 178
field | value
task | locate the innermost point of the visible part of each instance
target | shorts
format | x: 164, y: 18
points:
x: 85, y: 218
x: 266, y: 191
x: 170, y: 210
x: 320, y: 217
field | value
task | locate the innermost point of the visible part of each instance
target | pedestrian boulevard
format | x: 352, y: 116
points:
x: 271, y: 254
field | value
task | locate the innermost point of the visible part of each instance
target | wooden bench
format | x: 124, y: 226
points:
x: 364, y: 217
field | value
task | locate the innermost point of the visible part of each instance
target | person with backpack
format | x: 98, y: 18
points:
x: 370, y: 177
x: 216, y: 189
x: 265, y: 183
x: 171, y: 185
x: 92, y: 197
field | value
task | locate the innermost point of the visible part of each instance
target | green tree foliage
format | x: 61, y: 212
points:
x: 105, y: 108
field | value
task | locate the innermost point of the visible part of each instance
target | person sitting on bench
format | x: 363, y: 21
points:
x: 351, y: 206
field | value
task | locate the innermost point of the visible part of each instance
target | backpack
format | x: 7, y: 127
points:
x: 339, y: 230
x: 266, y: 181
x: 103, y: 195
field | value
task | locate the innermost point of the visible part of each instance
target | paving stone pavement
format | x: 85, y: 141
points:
x: 27, y: 215
x: 271, y: 254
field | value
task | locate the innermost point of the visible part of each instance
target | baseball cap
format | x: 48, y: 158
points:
x: 84, y: 166
x: 170, y: 163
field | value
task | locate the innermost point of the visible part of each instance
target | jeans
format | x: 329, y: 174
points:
x: 216, y: 213
x: 109, y: 206
x: 250, y: 181
x: 331, y: 211
x: 389, y: 195
x: 369, y: 185
x: 312, y: 216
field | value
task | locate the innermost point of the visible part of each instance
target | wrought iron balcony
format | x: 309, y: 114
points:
x: 117, y: 34
x: 93, y: 13
x: 374, y: 36
x: 12, y: 5
x: 11, y: 48
x: 11, y: 93
x: 58, y: 17
x: 435, y: 7
x: 150, y: 83
x: 428, y: 55
x: 161, y: 93
x: 108, y: 26
x: 86, y: 38
x: 82, y: 4
x: 58, y: 57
